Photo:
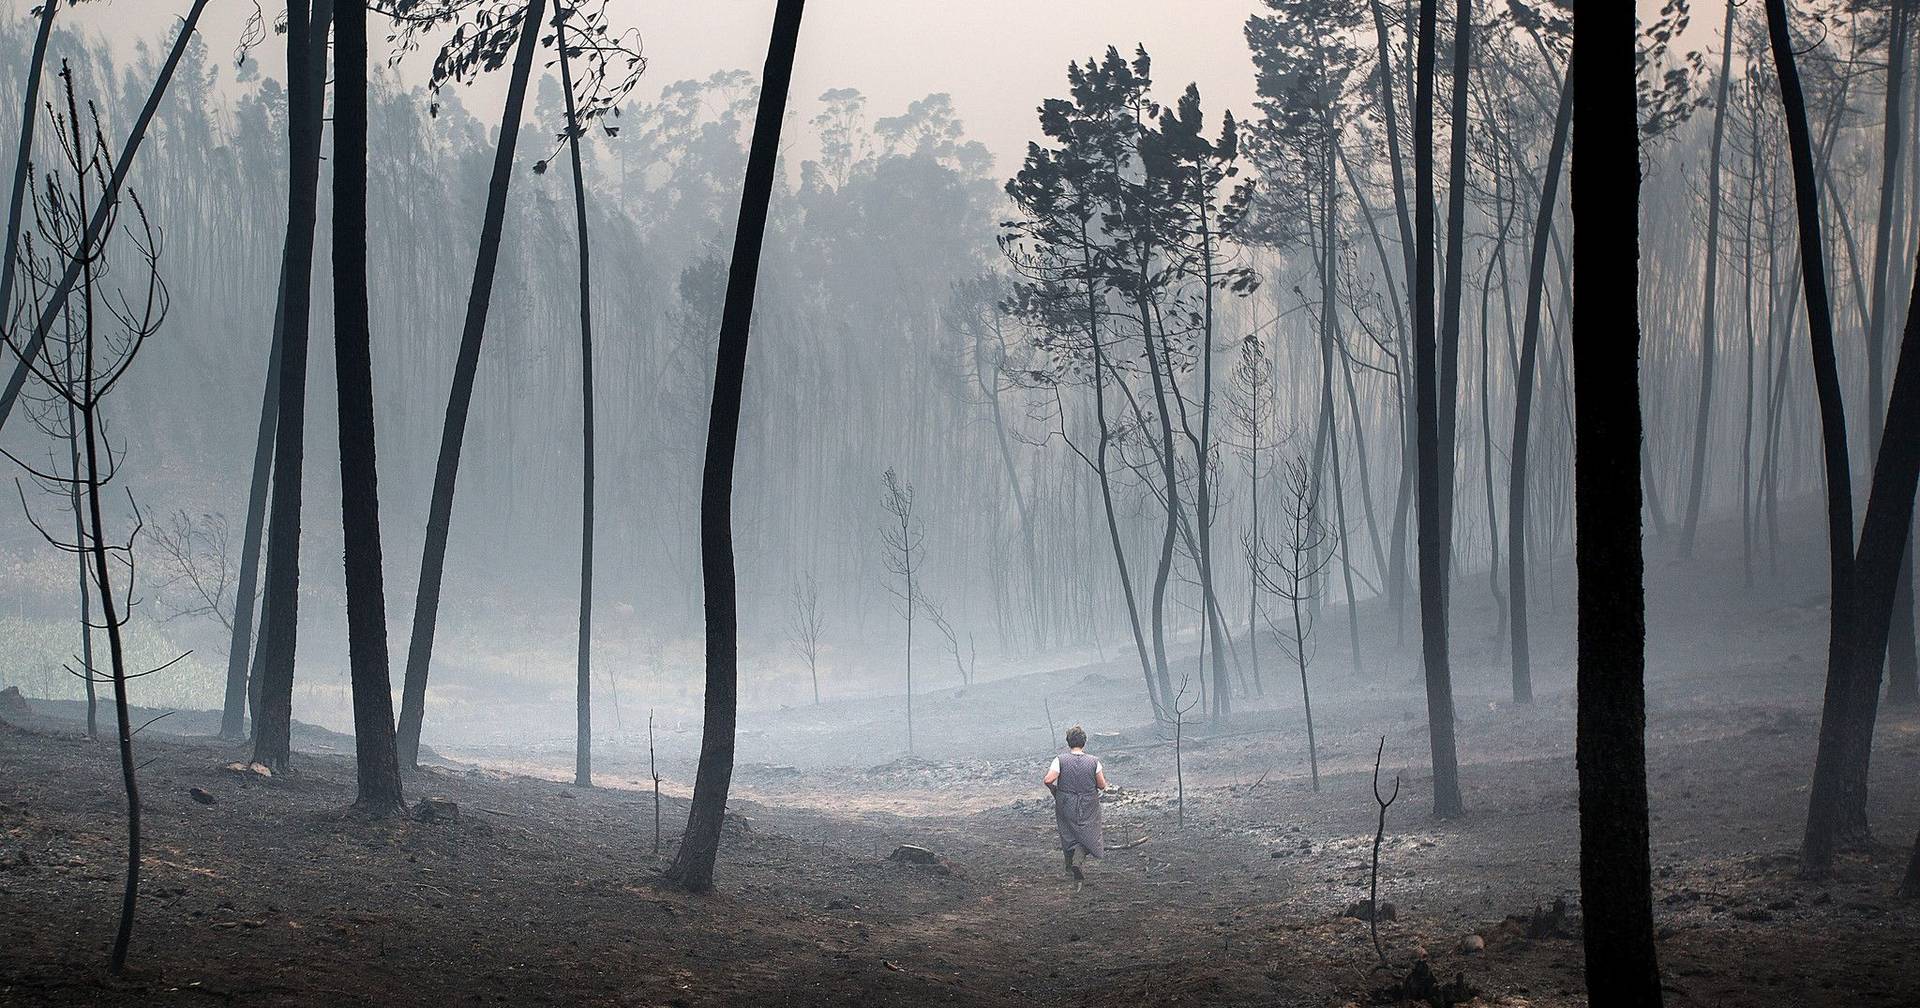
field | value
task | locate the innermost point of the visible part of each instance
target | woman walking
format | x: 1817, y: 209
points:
x: 1076, y: 780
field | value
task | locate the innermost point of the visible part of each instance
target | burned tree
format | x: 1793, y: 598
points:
x: 962, y: 663
x: 1432, y: 483
x: 85, y: 343
x: 1247, y: 394
x: 804, y: 624
x: 373, y: 737
x: 588, y: 99
x: 1616, y: 875
x: 37, y: 333
x: 196, y: 559
x: 1289, y: 567
x: 1384, y: 802
x: 22, y: 161
x: 1836, y: 803
x: 482, y: 44
x: 900, y: 539
x: 307, y: 29
x: 693, y: 864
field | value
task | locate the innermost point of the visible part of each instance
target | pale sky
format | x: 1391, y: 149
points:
x: 998, y: 58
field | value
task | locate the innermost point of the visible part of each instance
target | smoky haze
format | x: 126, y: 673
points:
x: 1104, y: 371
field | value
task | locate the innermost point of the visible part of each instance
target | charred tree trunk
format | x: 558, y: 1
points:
x: 583, y: 687
x: 1404, y: 489
x: 990, y: 391
x: 1903, y: 670
x: 1214, y: 620
x: 1689, y: 524
x: 433, y: 554
x: 108, y: 196
x: 111, y: 619
x: 1157, y: 695
x: 373, y: 741
x: 1433, y: 545
x: 693, y: 865
x: 1163, y: 570
x: 1836, y: 805
x: 1523, y: 384
x: 1884, y: 534
x: 23, y: 158
x: 1451, y: 283
x: 1431, y: 511
x: 280, y: 605
x: 1616, y: 874
x: 77, y: 499
x: 233, y: 710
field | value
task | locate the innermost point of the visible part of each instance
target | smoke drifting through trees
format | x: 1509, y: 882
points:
x: 1086, y: 367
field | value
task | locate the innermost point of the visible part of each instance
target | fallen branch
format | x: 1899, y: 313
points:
x: 1130, y: 844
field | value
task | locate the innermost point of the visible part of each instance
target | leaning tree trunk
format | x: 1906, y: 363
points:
x: 1156, y: 695
x: 1616, y: 875
x: 1164, y: 568
x: 1884, y: 534
x: 1836, y: 804
x: 109, y: 196
x: 693, y: 864
x: 1433, y: 544
x: 373, y: 741
x: 233, y: 710
x: 23, y: 158
x: 433, y: 554
x: 583, y: 686
x: 280, y: 602
x: 1903, y: 678
x: 1396, y: 574
x: 1453, y: 278
x: 1523, y: 384
x: 1689, y: 524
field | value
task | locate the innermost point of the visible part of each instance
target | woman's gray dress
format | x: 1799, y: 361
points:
x: 1076, y: 804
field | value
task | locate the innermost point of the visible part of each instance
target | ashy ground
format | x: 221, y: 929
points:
x: 543, y: 893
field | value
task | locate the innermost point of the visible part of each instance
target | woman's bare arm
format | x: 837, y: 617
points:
x: 1100, y: 779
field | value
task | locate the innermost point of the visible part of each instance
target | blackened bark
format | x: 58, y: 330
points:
x: 1610, y: 749
x: 1689, y: 524
x: 23, y: 157
x: 233, y: 712
x: 77, y: 499
x: 111, y: 619
x: 693, y: 864
x: 583, y: 687
x: 1396, y: 573
x: 1846, y: 734
x: 1903, y: 666
x: 307, y: 27
x: 109, y: 195
x: 1433, y: 546
x: 1455, y: 276
x: 1836, y: 804
x: 1164, y: 568
x: 373, y: 741
x: 433, y: 554
x: 1523, y: 401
